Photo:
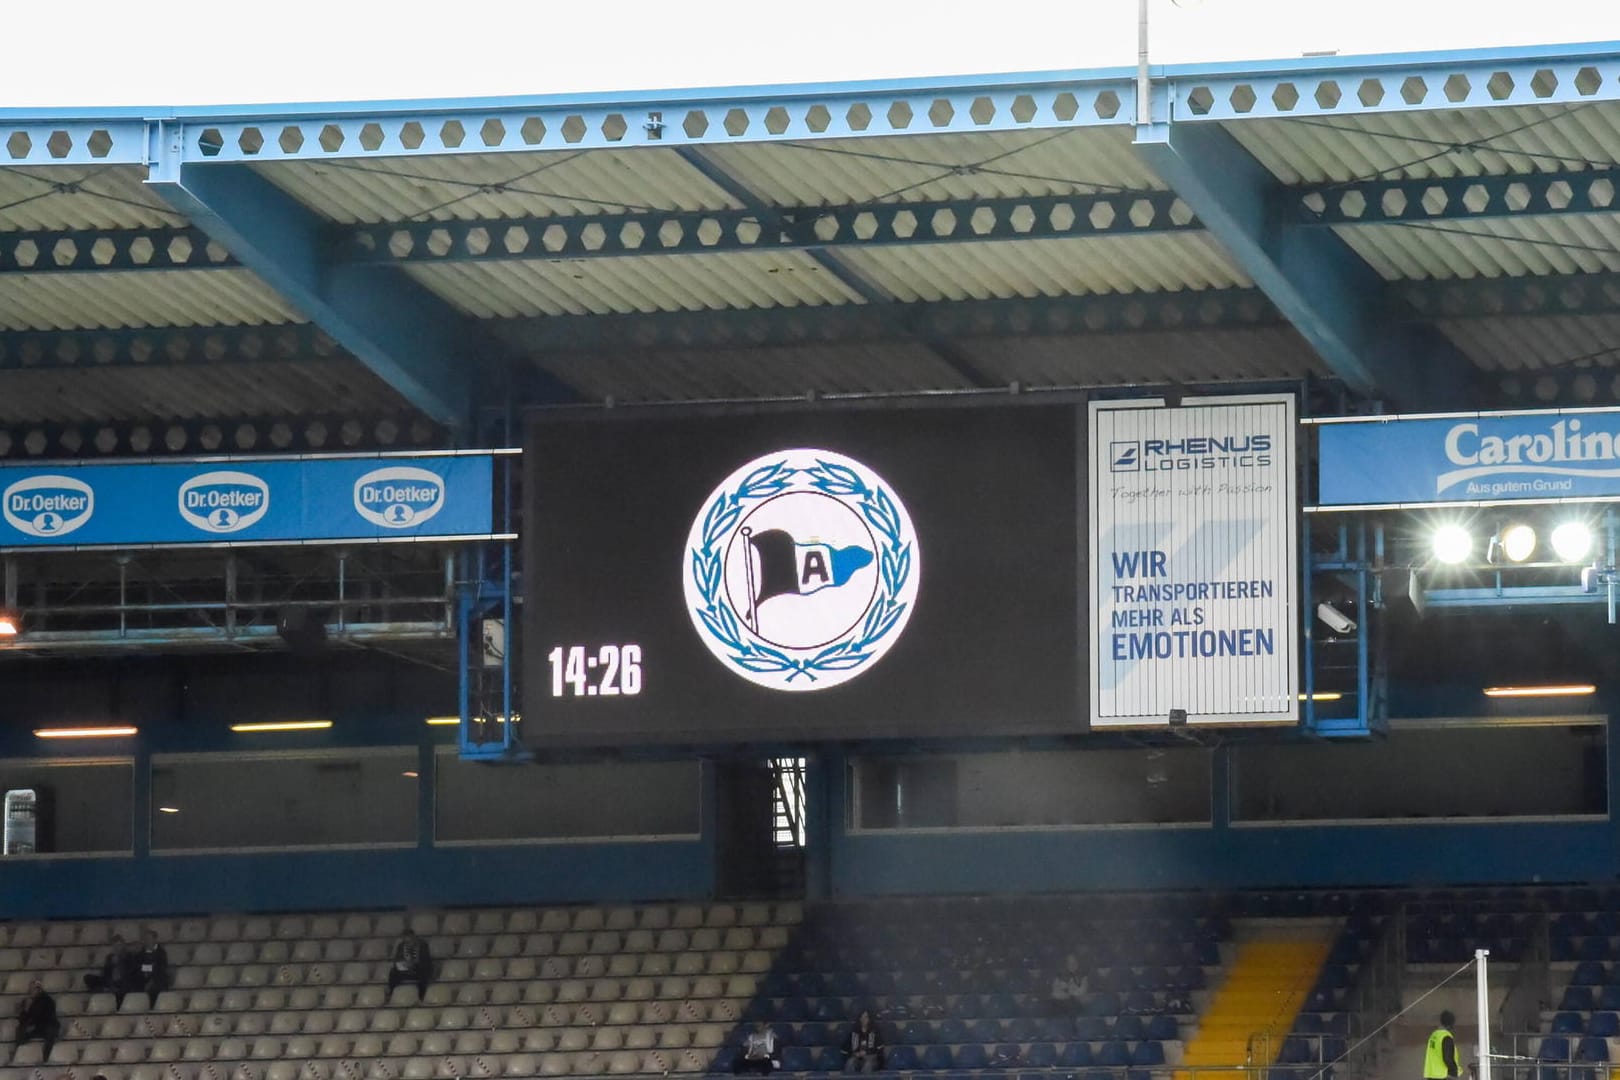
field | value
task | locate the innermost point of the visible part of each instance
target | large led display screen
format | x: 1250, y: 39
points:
x: 835, y: 574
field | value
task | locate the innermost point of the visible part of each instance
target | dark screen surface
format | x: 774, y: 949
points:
x: 990, y: 644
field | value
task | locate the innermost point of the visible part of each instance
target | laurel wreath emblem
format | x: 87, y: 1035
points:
x: 877, y: 506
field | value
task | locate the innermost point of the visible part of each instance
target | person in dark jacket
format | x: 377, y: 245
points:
x: 863, y: 1046
x: 412, y: 962
x: 36, y: 1019
x: 117, y: 975
x: 152, y: 967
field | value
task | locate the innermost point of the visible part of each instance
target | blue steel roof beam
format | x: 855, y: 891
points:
x: 772, y: 219
x: 796, y: 228
x: 166, y: 346
x: 82, y: 250
x: 412, y: 339
x: 1330, y: 295
x: 1453, y: 198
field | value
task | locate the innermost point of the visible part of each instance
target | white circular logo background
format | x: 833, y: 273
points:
x: 801, y: 569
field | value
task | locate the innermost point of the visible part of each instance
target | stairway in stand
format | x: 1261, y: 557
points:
x: 1275, y: 965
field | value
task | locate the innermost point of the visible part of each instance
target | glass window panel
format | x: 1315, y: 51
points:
x: 567, y: 802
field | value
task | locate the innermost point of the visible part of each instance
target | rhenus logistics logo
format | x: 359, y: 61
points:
x: 1567, y: 448
x: 399, y: 497
x: 48, y: 505
x: 224, y: 502
x: 1195, y: 452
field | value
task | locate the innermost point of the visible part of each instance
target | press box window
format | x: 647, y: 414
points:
x: 67, y: 807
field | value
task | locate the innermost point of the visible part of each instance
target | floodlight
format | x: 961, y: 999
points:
x: 1452, y: 544
x: 1515, y: 543
x: 1572, y: 541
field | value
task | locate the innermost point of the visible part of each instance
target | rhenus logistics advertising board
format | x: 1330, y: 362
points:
x: 1193, y: 558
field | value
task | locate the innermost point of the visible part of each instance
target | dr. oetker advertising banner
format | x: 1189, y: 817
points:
x: 1194, y: 565
x: 246, y: 501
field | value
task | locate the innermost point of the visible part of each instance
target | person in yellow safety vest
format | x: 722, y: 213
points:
x: 1440, y: 1059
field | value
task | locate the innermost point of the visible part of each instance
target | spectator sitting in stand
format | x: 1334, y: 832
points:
x: 412, y: 962
x: 1068, y: 993
x: 152, y: 967
x: 117, y: 975
x: 36, y: 1019
x: 863, y: 1046
x: 761, y: 1052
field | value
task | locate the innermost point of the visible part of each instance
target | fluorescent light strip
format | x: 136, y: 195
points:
x: 84, y: 732
x: 1564, y: 690
x: 168, y: 809
x: 285, y: 725
x: 1322, y: 695
x: 443, y: 721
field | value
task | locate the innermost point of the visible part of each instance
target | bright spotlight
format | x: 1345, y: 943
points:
x: 1516, y: 542
x: 1572, y: 542
x: 1452, y: 544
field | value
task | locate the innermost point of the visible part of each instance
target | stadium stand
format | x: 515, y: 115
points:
x: 651, y: 989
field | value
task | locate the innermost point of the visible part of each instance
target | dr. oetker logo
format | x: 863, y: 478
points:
x: 224, y: 502
x: 48, y: 506
x: 399, y: 497
x: 801, y: 570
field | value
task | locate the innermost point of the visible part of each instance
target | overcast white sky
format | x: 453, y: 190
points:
x: 200, y: 52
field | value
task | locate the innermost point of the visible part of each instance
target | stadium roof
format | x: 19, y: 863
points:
x: 1416, y: 231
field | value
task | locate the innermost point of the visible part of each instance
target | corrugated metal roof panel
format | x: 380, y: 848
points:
x: 1538, y: 344
x: 138, y: 298
x: 1457, y: 142
x: 80, y: 197
x: 1497, y: 247
x: 719, y: 374
x: 1007, y: 268
x: 1136, y: 358
x: 498, y: 185
x: 1002, y: 164
x: 192, y: 391
x: 661, y: 283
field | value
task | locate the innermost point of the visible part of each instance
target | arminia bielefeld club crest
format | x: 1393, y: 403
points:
x: 801, y: 570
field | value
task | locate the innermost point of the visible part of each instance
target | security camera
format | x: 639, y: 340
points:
x: 1337, y: 621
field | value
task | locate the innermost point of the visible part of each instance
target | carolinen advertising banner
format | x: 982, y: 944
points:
x: 246, y: 501
x: 1543, y: 456
x: 1194, y: 562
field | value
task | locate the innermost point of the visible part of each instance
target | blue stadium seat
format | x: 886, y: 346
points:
x: 795, y: 1059
x: 1588, y: 973
x: 1605, y: 1025
x: 1294, y: 1050
x: 902, y: 1058
x: 1090, y: 1028
x: 984, y: 1030
x: 1337, y: 1024
x: 1129, y: 1027
x: 1040, y: 1055
x: 830, y: 1059
x: 1592, y: 1049
x: 936, y: 1057
x: 1553, y: 1048
x: 1594, y: 948
x: 1006, y: 1056
x: 1054, y: 1029
x: 1164, y: 1026
x: 953, y: 1030
x: 1112, y: 1053
x: 969, y: 1006
x: 828, y: 1008
x: 1578, y: 999
x: 1609, y: 997
x: 916, y: 1032
x: 1308, y: 1023
x: 1567, y: 1023
x: 794, y: 1010
x: 1001, y: 1006
x: 972, y: 1056
x: 1075, y: 1055
x: 1021, y: 1029
x: 1147, y: 1053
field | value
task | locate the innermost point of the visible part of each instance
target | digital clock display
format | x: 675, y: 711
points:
x: 816, y: 575
x: 583, y: 671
